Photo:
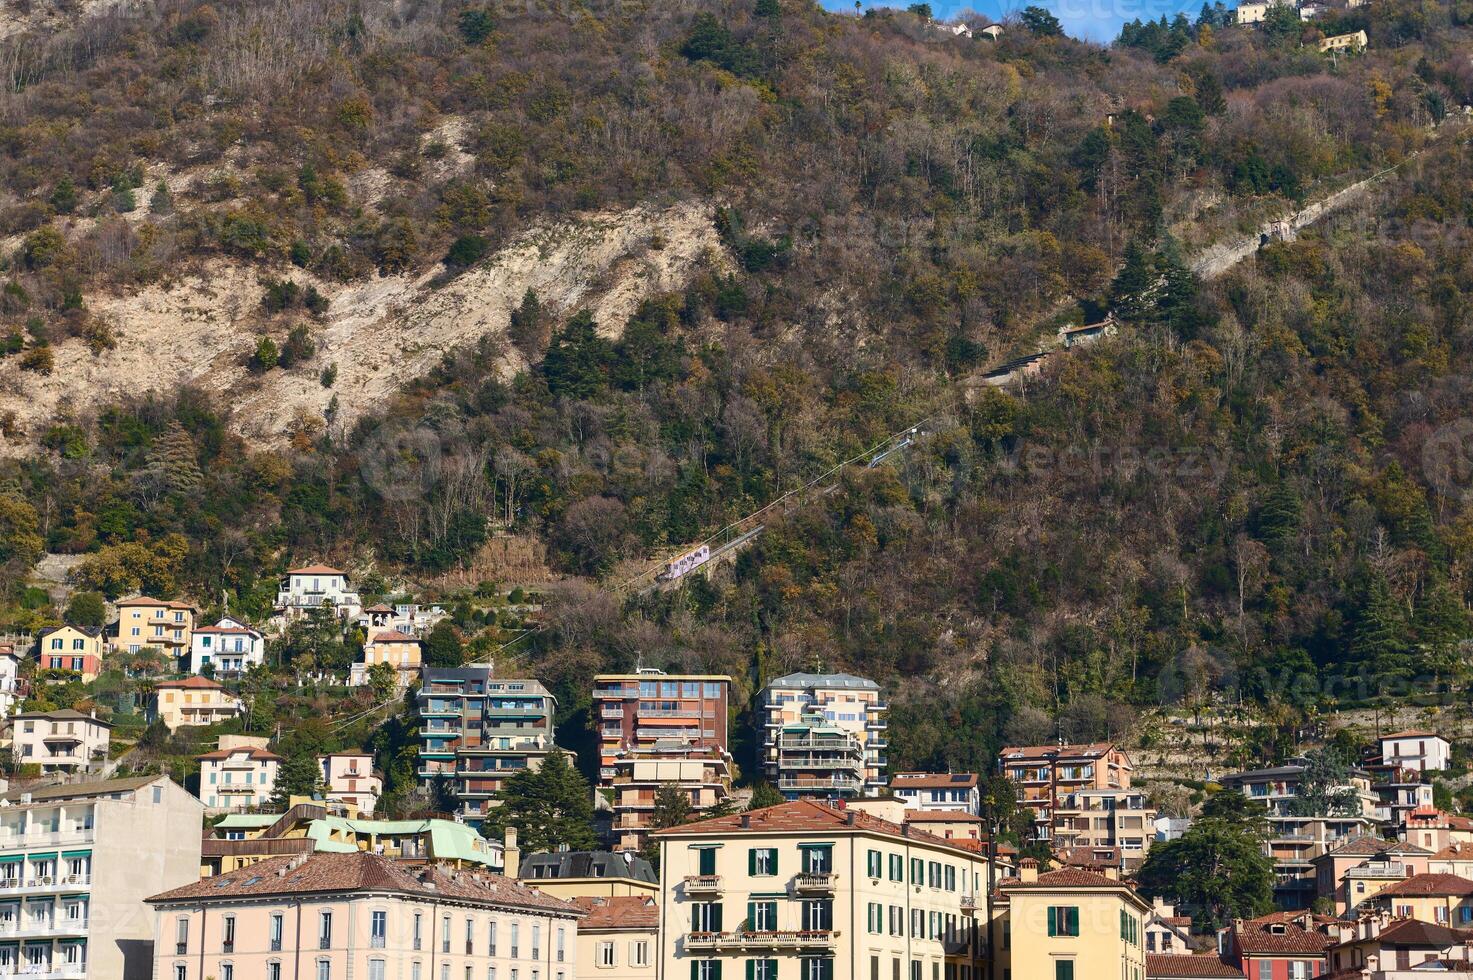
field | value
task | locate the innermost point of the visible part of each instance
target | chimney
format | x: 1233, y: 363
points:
x: 511, y: 863
x: 1112, y: 872
x: 1028, y: 870
x: 849, y: 818
x: 746, y: 821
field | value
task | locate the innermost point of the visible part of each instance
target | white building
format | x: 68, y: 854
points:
x: 349, y: 778
x: 240, y: 773
x: 314, y: 587
x: 1416, y: 749
x: 9, y: 680
x: 230, y: 645
x: 60, y: 741
x: 948, y: 791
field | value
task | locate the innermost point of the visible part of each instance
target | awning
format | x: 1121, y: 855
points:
x: 48, y: 856
x: 76, y: 854
x: 12, y: 858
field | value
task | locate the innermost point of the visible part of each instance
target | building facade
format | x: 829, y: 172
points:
x: 618, y: 938
x: 10, y: 693
x: 810, y: 891
x: 65, y: 741
x: 71, y: 648
x: 77, y: 861
x: 1422, y: 751
x: 1106, y: 818
x: 228, y: 649
x: 657, y: 729
x: 193, y: 702
x: 824, y: 735
x: 348, y: 777
x: 363, y: 916
x: 157, y: 624
x: 1068, y: 925
x: 389, y: 646
x: 477, y: 731
x: 317, y: 588
x: 1048, y: 774
x: 948, y: 791
x: 237, y: 777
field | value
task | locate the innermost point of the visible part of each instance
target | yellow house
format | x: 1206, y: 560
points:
x: 1345, y: 42
x: 1443, y: 899
x: 809, y: 891
x: 1068, y: 925
x: 162, y: 625
x: 192, y: 701
x: 71, y: 648
x: 386, y: 646
x: 618, y: 937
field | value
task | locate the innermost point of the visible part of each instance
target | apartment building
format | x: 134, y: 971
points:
x: 71, y: 648
x: 1068, y: 925
x: 657, y: 729
x: 348, y: 777
x: 824, y: 735
x: 10, y: 685
x: 329, y: 916
x: 154, y: 623
x: 77, y: 861
x: 1416, y: 749
x: 618, y: 938
x: 948, y: 791
x: 237, y: 776
x: 192, y: 702
x: 1359, y: 868
x: 1444, y: 899
x: 1435, y: 829
x: 578, y: 874
x: 1106, y: 818
x: 1047, y: 774
x: 315, y: 588
x: 1279, y: 946
x: 812, y: 891
x: 1381, y: 947
x: 64, y: 741
x: 478, y: 731
x: 227, y: 649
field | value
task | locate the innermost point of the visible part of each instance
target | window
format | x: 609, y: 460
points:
x: 762, y: 916
x: 704, y: 917
x: 181, y: 972
x: 1063, y: 920
x: 275, y: 934
x: 324, y: 970
x: 227, y: 943
x: 376, y: 969
x: 917, y: 871
x: 378, y: 930
x: 897, y: 921
x: 1265, y: 970
x: 874, y: 918
x: 897, y: 868
x: 419, y: 933
x: 324, y: 930
x: 181, y: 935
x: 950, y: 878
x: 227, y: 971
x: 273, y: 970
x: 445, y: 934
x: 516, y: 929
x: 562, y: 943
x: 818, y: 915
x: 762, y: 862
x: 604, y: 955
x: 761, y: 969
x: 470, y: 934
x: 818, y: 860
x: 705, y: 970
x: 639, y: 953
x: 1063, y: 970
x: 491, y: 938
x: 875, y: 863
x: 933, y: 874
x: 1130, y: 928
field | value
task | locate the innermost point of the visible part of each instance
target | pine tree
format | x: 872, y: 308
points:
x: 1378, y: 644
x: 1130, y: 293
x: 299, y: 775
x: 551, y: 807
x: 1441, y: 626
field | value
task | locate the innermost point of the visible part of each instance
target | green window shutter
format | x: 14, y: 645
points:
x: 751, y: 919
x: 751, y: 862
x: 715, y: 916
x: 695, y: 970
x: 1073, y: 916
x: 1064, y: 970
x: 1053, y: 921
x: 772, y: 860
x: 716, y: 970
x: 751, y: 970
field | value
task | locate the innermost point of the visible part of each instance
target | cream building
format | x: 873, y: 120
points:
x: 824, y: 735
x: 1444, y: 899
x: 809, y: 891
x: 1068, y: 925
x: 313, y: 588
x: 237, y: 777
x: 77, y: 861
x: 156, y: 623
x: 348, y: 777
x: 60, y: 741
x: 193, y: 701
x: 399, y: 650
x: 618, y: 937
x: 361, y: 916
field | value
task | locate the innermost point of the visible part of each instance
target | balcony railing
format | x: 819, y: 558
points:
x: 815, y: 881
x: 776, y: 939
x: 702, y: 884
x: 969, y: 904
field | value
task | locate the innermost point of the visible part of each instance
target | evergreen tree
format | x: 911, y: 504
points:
x: 1441, y: 625
x: 551, y: 807
x: 575, y: 365
x: 442, y: 647
x: 173, y: 464
x: 298, y: 775
x: 1378, y: 646
x: 764, y: 795
x: 1130, y: 292
x: 1216, y: 871
x: 86, y: 609
x: 1324, y: 788
x: 672, y: 807
x: 528, y: 328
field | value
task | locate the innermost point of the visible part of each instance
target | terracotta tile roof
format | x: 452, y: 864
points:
x: 804, y: 816
x: 1411, y: 733
x: 195, y: 683
x: 1026, y: 753
x: 1169, y: 966
x: 941, y: 816
x: 316, y: 570
x: 64, y: 714
x: 247, y: 751
x: 392, y: 636
x: 1256, y: 938
x: 1089, y: 857
x: 380, y: 608
x: 933, y: 780
x: 227, y: 629
x: 1429, y: 885
x: 619, y: 912
x: 1369, y: 846
x: 1456, y: 851
x: 362, y: 871
x: 144, y: 600
x: 84, y: 630
x: 1422, y: 935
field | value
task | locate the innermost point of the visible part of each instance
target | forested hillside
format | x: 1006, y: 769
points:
x: 1258, y: 479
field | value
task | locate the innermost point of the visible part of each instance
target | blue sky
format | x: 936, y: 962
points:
x: 1098, y: 20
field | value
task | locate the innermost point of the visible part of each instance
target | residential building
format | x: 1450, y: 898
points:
x: 1360, y: 867
x: 1384, y: 948
x: 77, y: 861
x: 64, y: 741
x: 1256, y: 13
x: 824, y: 735
x: 950, y: 791
x: 1048, y: 774
x: 618, y: 937
x: 1281, y: 946
x: 579, y: 874
x: 478, y: 731
x: 145, y: 622
x: 1068, y: 925
x: 10, y: 686
x: 237, y: 777
x: 813, y: 891
x: 388, y: 646
x: 1435, y: 829
x: 227, y: 649
x: 1454, y: 859
x: 1444, y: 899
x: 1167, y: 932
x: 329, y: 916
x: 1355, y: 42
x: 1101, y: 818
x: 71, y: 648
x: 192, y: 702
x: 241, y: 839
x: 657, y: 729
x: 1416, y: 749
x: 1399, y: 792
x: 946, y: 824
x: 314, y: 588
x: 348, y: 777
x: 1190, y: 966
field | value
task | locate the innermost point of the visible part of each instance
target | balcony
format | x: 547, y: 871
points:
x: 702, y: 884
x: 49, y: 929
x: 969, y: 904
x: 38, y: 886
x: 815, y: 882
x: 818, y: 744
x: 669, y: 712
x: 54, y: 971
x: 40, y: 838
x: 777, y: 939
x: 842, y: 784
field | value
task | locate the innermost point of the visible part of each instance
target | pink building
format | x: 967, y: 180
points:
x: 360, y: 915
x: 349, y: 778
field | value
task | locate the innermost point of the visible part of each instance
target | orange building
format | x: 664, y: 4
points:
x: 1050, y: 775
